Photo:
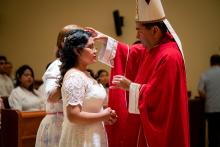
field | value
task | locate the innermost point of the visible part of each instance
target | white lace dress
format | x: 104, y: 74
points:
x: 80, y: 89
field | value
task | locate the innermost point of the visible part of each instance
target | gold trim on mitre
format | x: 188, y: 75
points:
x: 151, y: 12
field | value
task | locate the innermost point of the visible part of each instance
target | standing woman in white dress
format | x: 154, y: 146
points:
x: 49, y: 131
x: 82, y: 95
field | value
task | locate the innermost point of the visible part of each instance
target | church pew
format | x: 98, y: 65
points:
x: 19, y: 129
x: 5, y: 102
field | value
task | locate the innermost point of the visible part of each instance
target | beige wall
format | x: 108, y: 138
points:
x: 28, y: 28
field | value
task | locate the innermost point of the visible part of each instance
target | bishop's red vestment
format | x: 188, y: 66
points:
x: 161, y: 97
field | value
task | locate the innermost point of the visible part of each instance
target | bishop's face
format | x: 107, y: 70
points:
x: 146, y: 36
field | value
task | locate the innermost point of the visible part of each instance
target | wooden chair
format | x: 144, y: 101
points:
x: 19, y: 129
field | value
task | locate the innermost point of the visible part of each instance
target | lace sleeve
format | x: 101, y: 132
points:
x: 74, y: 89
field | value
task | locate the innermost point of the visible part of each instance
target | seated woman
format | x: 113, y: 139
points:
x: 102, y: 77
x: 24, y: 97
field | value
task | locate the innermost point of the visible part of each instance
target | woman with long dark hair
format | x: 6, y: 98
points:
x: 82, y: 95
x: 24, y: 97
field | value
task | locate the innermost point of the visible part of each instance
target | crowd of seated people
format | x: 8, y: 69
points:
x: 19, y: 89
x: 18, y: 93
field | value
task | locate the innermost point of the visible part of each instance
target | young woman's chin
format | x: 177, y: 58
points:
x: 94, y: 60
x: 26, y: 86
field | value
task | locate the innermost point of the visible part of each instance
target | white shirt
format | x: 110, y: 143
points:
x: 42, y: 91
x: 6, y: 85
x: 51, y: 76
x: 24, y: 100
x: 210, y: 84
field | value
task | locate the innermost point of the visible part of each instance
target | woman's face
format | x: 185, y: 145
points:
x: 88, y: 55
x: 26, y: 79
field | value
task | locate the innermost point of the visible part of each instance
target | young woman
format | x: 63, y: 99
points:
x: 24, y: 97
x: 82, y: 95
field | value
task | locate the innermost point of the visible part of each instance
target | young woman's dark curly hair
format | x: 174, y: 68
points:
x: 74, y: 42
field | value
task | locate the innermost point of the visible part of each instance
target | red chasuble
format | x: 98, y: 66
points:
x: 163, y: 101
x: 125, y: 130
